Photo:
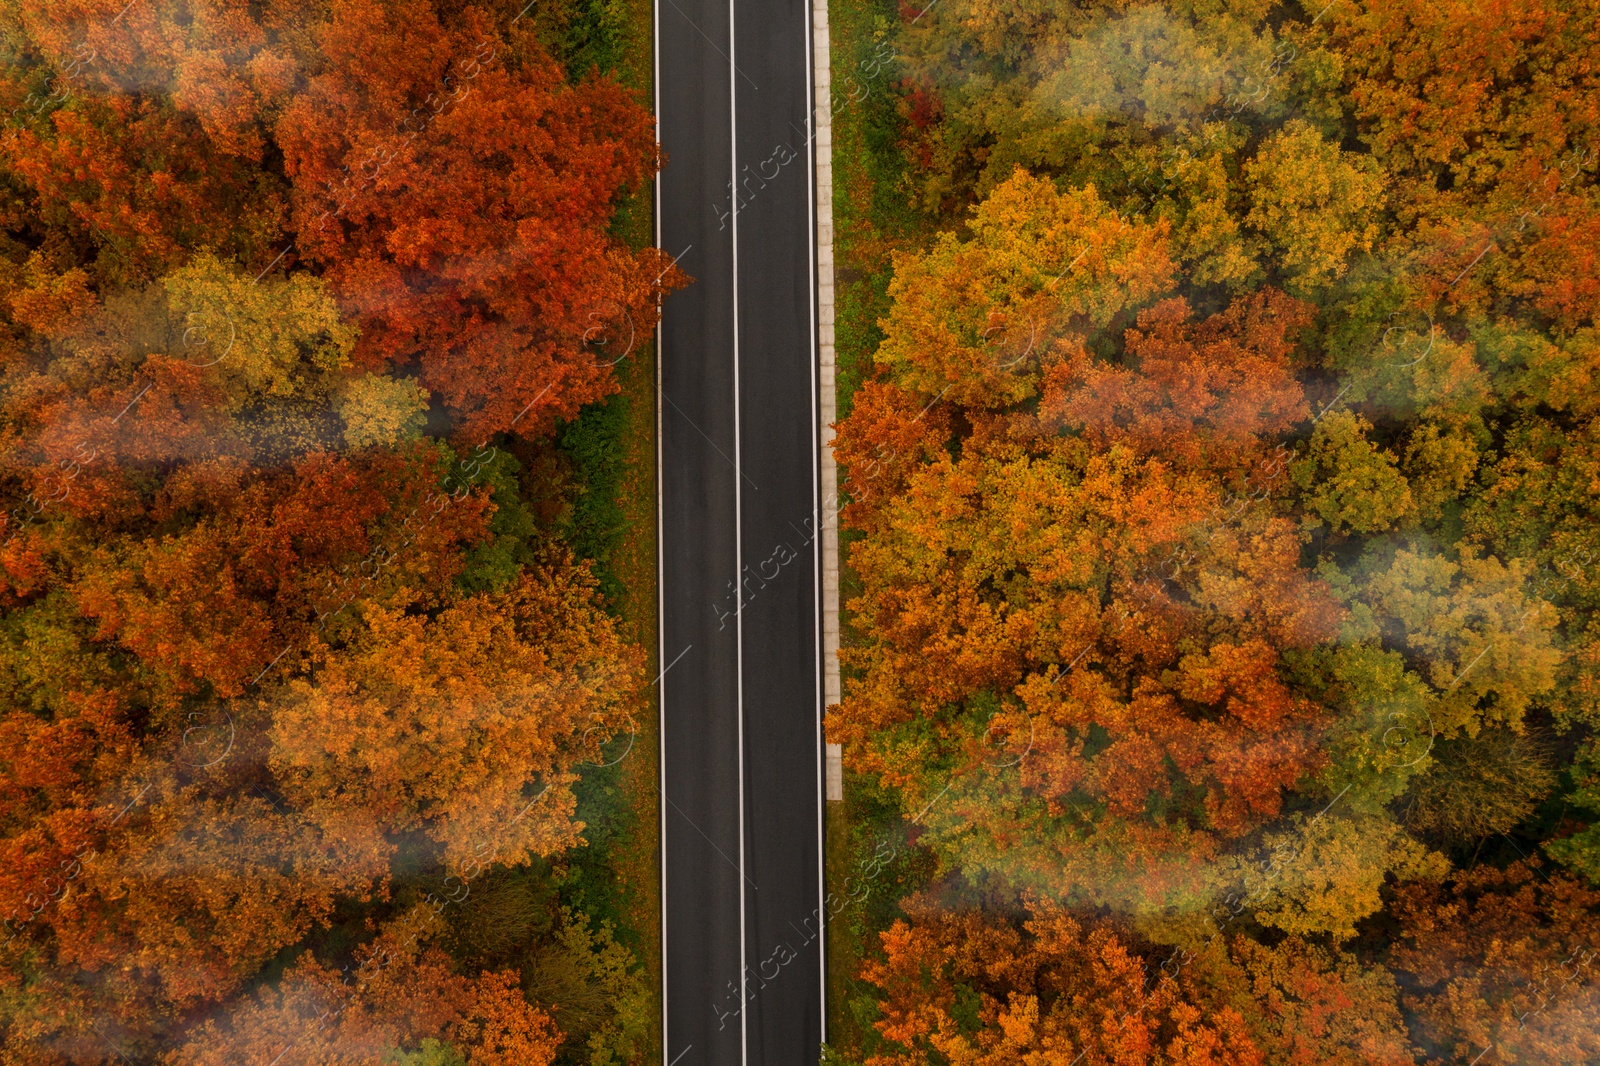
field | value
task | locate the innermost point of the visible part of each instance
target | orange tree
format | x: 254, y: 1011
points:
x: 1047, y: 987
x: 1501, y: 959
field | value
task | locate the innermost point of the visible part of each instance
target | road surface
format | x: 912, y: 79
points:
x: 741, y: 699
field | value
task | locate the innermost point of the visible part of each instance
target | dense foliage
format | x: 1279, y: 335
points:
x: 299, y: 671
x: 1224, y: 516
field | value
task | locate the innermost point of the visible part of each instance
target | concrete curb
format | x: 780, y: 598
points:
x: 828, y: 521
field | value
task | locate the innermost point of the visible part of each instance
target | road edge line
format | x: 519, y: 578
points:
x: 738, y: 523
x: 661, y: 572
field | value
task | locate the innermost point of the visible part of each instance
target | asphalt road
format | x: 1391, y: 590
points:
x: 740, y: 625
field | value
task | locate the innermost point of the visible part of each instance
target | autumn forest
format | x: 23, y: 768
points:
x: 317, y: 645
x: 1219, y: 451
x: 1223, y: 664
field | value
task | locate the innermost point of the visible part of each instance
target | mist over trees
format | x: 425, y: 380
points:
x: 1222, y: 531
x: 299, y: 668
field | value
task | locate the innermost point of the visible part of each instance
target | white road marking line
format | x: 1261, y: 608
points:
x: 738, y: 526
x: 713, y: 44
x: 731, y: 462
x: 661, y: 573
x: 713, y: 843
x: 670, y: 665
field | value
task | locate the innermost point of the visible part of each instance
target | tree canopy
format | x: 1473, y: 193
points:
x: 295, y: 655
x: 1221, y: 529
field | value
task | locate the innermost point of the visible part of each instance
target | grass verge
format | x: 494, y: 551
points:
x: 872, y: 219
x: 612, y: 446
